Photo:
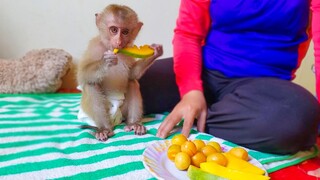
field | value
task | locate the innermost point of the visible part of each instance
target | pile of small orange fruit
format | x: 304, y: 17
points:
x: 184, y: 152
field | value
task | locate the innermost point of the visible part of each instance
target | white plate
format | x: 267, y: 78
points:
x: 155, y: 160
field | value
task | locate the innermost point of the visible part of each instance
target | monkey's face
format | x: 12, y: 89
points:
x: 119, y: 36
x: 118, y: 32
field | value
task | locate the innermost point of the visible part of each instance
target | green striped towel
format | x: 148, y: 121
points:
x: 40, y: 138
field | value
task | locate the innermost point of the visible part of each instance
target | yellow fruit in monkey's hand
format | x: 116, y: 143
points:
x: 135, y: 51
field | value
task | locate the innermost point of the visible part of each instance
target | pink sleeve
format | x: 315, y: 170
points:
x: 315, y: 7
x: 191, y: 29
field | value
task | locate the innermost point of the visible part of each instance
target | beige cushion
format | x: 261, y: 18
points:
x: 39, y: 71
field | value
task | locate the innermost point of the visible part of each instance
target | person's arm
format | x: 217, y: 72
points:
x: 192, y: 26
x: 315, y: 8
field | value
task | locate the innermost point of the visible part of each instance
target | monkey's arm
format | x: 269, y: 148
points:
x: 92, y: 67
x: 90, y: 71
x: 141, y: 66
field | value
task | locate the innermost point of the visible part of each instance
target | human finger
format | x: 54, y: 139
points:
x: 188, y: 122
x: 168, y: 124
x: 201, y: 122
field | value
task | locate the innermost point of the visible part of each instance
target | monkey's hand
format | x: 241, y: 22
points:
x: 158, y: 50
x: 138, y: 128
x: 110, y: 58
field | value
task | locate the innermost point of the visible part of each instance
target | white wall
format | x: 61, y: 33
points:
x: 70, y: 24
x: 305, y: 76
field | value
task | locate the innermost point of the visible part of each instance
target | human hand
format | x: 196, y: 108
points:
x: 110, y: 58
x: 192, y: 106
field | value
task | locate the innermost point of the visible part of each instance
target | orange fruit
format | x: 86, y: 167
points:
x: 207, y: 150
x: 216, y: 145
x: 189, y: 147
x: 239, y: 152
x: 199, y: 143
x: 218, y: 158
x: 198, y: 158
x: 178, y: 139
x: 182, y: 161
x: 173, y: 150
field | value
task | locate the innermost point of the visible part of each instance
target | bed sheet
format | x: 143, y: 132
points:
x: 40, y: 138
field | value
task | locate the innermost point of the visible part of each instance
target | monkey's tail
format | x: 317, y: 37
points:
x: 89, y: 127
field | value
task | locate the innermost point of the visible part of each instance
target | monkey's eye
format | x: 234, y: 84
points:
x: 125, y: 32
x: 113, y: 30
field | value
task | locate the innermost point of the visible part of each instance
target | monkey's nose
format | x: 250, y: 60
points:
x: 119, y: 45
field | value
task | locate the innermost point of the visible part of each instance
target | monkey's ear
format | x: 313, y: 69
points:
x: 136, y: 30
x: 98, y: 17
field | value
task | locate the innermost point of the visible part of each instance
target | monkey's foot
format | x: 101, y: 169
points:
x: 103, y: 134
x: 138, y: 129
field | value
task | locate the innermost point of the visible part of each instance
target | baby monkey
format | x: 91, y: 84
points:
x: 109, y: 82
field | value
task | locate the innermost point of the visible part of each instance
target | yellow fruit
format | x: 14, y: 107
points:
x: 218, y: 158
x: 182, y: 161
x: 199, y: 143
x: 189, y: 147
x: 216, y: 145
x: 233, y: 174
x: 135, y: 51
x: 239, y: 152
x: 242, y: 165
x: 198, y: 158
x: 173, y: 150
x: 207, y: 150
x: 178, y: 139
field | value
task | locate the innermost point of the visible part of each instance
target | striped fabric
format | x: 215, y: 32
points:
x: 40, y: 138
